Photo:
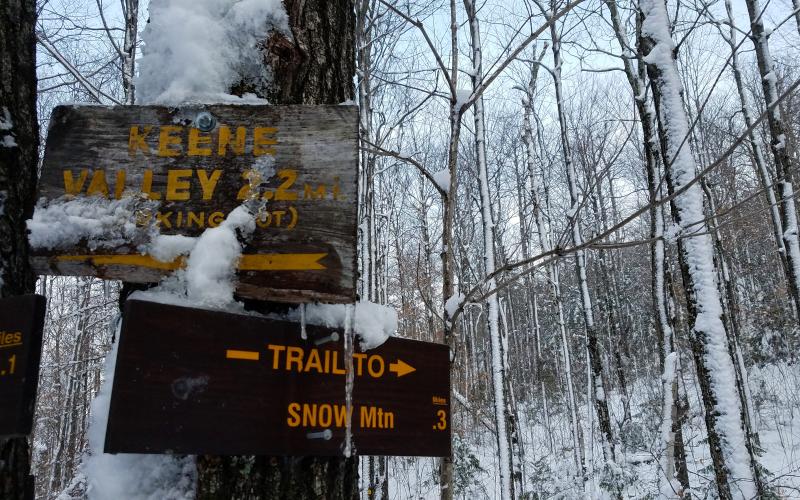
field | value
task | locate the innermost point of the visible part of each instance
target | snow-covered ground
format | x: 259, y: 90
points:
x: 550, y: 470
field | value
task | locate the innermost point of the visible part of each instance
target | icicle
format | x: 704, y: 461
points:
x: 303, y: 333
x: 348, y: 359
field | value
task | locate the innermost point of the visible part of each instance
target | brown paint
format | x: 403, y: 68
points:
x: 21, y: 324
x: 205, y: 382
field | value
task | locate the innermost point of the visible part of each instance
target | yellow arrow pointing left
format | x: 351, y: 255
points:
x: 401, y: 368
x: 250, y: 262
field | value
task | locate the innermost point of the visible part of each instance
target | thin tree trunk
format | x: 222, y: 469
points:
x: 502, y: 410
x: 781, y: 150
x: 599, y: 384
x: 131, y: 13
x: 553, y: 275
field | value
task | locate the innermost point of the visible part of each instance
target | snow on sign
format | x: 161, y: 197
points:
x: 115, y: 180
x: 185, y: 384
x: 21, y: 323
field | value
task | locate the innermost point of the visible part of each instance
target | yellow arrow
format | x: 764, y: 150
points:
x: 401, y: 368
x: 250, y: 262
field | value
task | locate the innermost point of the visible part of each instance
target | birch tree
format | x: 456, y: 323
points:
x: 734, y: 465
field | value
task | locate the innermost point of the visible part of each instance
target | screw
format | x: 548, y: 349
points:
x: 327, y: 434
x: 205, y: 121
x: 333, y: 337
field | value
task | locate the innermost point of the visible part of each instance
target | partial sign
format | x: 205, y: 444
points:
x: 21, y: 324
x: 182, y: 170
x: 205, y: 382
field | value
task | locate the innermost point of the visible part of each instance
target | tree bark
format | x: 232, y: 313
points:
x: 316, y: 67
x: 733, y: 462
x: 19, y: 149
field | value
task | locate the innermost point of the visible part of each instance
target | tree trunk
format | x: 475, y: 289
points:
x: 316, y: 67
x: 733, y: 465
x: 19, y: 150
x: 781, y: 150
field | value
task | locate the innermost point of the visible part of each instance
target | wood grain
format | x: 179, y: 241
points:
x: 315, y: 146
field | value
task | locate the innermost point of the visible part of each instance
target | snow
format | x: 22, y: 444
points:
x: 462, y: 96
x: 99, y: 222
x: 195, y: 50
x: 129, y: 476
x: 442, y: 179
x: 699, y: 254
x: 781, y: 144
x: 168, y: 247
x: 374, y: 323
x: 6, y: 123
x: 212, y: 263
x: 452, y: 304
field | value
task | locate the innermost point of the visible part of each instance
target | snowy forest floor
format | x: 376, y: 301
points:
x: 550, y: 469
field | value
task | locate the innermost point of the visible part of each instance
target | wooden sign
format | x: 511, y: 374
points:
x: 190, y: 381
x: 183, y: 170
x: 21, y: 324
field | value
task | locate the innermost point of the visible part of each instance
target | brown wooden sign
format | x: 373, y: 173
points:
x: 204, y: 382
x: 186, y: 168
x: 21, y: 324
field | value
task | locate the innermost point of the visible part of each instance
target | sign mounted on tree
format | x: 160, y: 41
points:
x: 114, y: 178
x: 21, y: 324
x: 184, y: 384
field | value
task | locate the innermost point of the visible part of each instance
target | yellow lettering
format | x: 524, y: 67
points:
x: 368, y: 417
x: 288, y: 175
x: 167, y: 139
x: 136, y: 140
x: 72, y: 187
x: 387, y: 419
x: 340, y: 415
x: 337, y: 370
x: 278, y: 214
x: 215, y: 219
x: 208, y: 184
x: 237, y: 146
x: 147, y: 185
x: 261, y: 138
x: 17, y: 337
x: 313, y: 361
x: 276, y: 356
x: 178, y: 189
x: 309, y: 193
x: 375, y: 373
x: 98, y: 184
x: 119, y: 185
x: 309, y: 415
x: 294, y: 355
x: 163, y: 219
x: 264, y: 219
x: 193, y: 218
x: 324, y: 416
x: 360, y: 357
x: 294, y: 416
x: 195, y: 142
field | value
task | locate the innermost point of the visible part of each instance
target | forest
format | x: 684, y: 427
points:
x: 590, y: 202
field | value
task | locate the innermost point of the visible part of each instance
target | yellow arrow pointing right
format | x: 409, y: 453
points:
x: 401, y: 368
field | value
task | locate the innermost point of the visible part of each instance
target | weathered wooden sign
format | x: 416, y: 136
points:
x: 21, y: 324
x: 205, y: 382
x: 185, y: 169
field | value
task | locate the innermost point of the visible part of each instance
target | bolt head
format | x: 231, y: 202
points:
x: 205, y: 121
